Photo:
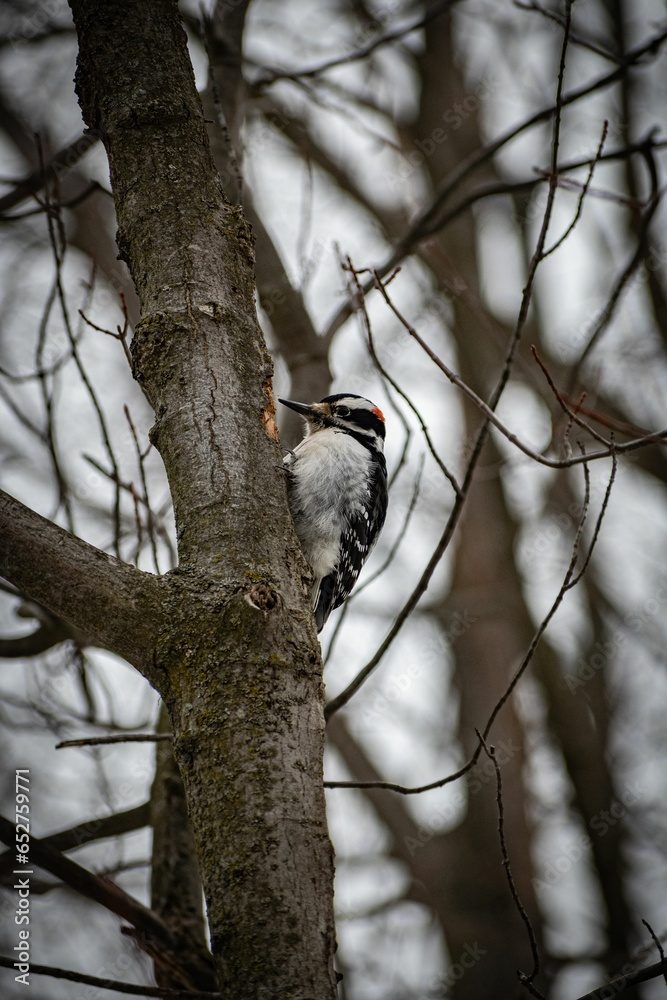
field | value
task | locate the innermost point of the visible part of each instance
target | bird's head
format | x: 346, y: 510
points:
x: 344, y: 411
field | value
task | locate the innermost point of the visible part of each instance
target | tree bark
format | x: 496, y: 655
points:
x: 176, y: 893
x: 111, y: 603
x: 228, y: 638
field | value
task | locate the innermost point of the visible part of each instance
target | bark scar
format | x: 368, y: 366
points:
x: 269, y: 415
x: 263, y: 597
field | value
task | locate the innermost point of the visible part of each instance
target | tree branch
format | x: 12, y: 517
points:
x: 238, y: 653
x: 626, y: 982
x: 85, y: 882
x: 176, y: 889
x: 112, y: 603
x: 272, y: 75
x: 85, y: 833
x: 153, y: 936
x: 43, y: 638
x: 431, y: 219
x: 130, y: 989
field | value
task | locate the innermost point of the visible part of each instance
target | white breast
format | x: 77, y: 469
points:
x: 330, y: 475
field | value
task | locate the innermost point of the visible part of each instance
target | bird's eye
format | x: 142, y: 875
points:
x: 343, y: 411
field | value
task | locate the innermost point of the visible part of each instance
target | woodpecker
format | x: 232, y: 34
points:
x: 337, y: 492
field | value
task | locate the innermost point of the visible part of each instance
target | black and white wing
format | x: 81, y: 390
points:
x: 364, y: 521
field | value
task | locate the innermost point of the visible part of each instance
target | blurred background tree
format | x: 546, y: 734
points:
x: 432, y: 143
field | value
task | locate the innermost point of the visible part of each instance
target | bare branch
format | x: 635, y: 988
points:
x: 58, y: 244
x: 584, y: 191
x: 99, y: 741
x: 610, y: 449
x: 150, y: 520
x: 572, y: 413
x: 105, y: 599
x: 430, y: 220
x: 575, y: 39
x: 64, y: 160
x: 113, y: 985
x: 46, y: 387
x: 626, y: 982
x: 518, y: 674
x: 43, y: 638
x: 85, y: 833
x: 147, y: 929
x: 633, y: 264
x: 526, y: 981
x: 658, y: 943
x: 111, y: 896
x: 272, y: 75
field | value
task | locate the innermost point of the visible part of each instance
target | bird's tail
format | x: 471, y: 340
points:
x: 323, y: 597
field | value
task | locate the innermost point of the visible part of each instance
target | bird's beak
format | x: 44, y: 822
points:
x: 302, y: 408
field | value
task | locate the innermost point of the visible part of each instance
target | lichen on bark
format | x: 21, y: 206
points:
x: 234, y: 650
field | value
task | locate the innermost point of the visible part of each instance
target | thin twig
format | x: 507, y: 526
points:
x: 361, y: 308
x: 22, y: 417
x: 526, y: 981
x: 120, y: 333
x: 571, y: 413
x: 633, y: 264
x: 95, y: 828
x: 431, y: 220
x: 72, y: 202
x: 48, y: 372
x: 144, y: 484
x: 59, y: 244
x: 575, y: 39
x: 657, y: 942
x: 567, y: 447
x: 272, y: 75
x: 518, y: 674
x: 97, y: 741
x: 609, y: 450
x: 584, y: 191
x: 626, y: 982
x: 598, y: 524
x: 137, y: 525
x: 113, y: 985
x: 64, y: 160
x: 46, y: 386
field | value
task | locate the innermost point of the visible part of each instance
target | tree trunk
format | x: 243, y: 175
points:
x: 234, y: 651
x: 478, y: 904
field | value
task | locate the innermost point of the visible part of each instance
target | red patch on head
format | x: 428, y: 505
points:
x: 378, y: 413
